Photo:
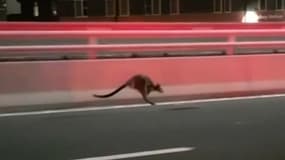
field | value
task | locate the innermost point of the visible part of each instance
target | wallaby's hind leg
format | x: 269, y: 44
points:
x: 147, y: 100
x: 144, y: 91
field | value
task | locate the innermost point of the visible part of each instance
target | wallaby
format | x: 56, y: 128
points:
x: 141, y: 83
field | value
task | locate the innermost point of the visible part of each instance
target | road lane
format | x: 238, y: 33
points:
x: 238, y: 129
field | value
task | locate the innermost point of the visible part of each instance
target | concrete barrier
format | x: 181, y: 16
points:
x: 32, y: 83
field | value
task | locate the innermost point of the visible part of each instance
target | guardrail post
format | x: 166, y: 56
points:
x: 230, y: 50
x: 92, y: 53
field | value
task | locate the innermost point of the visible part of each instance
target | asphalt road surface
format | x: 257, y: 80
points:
x: 244, y: 129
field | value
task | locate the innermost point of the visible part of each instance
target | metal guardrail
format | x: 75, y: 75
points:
x: 141, y: 47
x: 92, y: 47
x: 135, y: 26
x: 142, y: 33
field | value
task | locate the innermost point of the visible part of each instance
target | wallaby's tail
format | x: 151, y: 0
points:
x: 112, y: 93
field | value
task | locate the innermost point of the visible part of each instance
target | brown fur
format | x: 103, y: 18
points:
x: 142, y: 83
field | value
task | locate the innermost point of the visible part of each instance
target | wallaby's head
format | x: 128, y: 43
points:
x: 158, y: 88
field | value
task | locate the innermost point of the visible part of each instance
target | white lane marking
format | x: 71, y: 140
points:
x: 85, y: 109
x: 141, y: 154
x: 222, y: 99
x: 99, y: 108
